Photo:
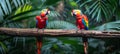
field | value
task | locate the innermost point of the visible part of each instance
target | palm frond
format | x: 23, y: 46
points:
x: 99, y: 10
x: 60, y: 25
x: 109, y: 26
x: 21, y: 10
x: 3, y: 48
x: 6, y: 6
x: 56, y: 46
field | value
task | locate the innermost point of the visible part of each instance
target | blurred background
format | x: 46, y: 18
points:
x: 104, y: 15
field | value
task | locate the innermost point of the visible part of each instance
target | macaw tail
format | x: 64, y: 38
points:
x: 39, y: 45
x: 85, y: 44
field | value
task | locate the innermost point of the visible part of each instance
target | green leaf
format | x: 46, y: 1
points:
x: 107, y: 12
x: 104, y: 11
x: 4, y: 48
x: 109, y: 26
x: 56, y: 46
x: 119, y: 2
x: 73, y: 4
x: 95, y: 12
x: 85, y: 3
x: 94, y: 8
x: 9, y: 6
x: 98, y: 19
x: 4, y: 7
x: 93, y: 5
x: 60, y: 25
x: 22, y: 13
x: 22, y: 18
x: 23, y: 9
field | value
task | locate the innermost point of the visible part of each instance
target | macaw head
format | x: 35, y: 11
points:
x: 44, y: 12
x: 76, y: 12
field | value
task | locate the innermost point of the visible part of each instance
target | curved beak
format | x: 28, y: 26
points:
x: 48, y: 11
x: 72, y: 13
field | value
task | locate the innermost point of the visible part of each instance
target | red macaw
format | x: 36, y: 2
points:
x: 82, y: 24
x: 41, y: 23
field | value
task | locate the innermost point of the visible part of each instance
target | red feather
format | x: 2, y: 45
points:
x: 79, y: 23
x: 40, y: 24
x: 80, y: 26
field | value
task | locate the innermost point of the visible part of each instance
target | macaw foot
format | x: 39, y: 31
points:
x: 82, y: 30
x: 40, y: 30
x: 37, y: 30
x: 77, y: 31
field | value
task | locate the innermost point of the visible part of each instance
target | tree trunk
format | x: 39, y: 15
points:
x: 32, y: 32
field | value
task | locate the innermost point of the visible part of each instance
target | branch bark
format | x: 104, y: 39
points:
x: 32, y: 32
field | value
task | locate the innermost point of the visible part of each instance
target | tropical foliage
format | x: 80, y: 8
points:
x: 103, y: 15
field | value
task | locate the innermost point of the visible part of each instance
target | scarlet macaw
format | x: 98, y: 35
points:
x: 41, y: 23
x: 82, y: 24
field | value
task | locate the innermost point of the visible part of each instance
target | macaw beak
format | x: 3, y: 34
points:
x: 72, y: 12
x: 48, y: 11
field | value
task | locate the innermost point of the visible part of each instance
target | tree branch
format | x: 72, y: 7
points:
x: 32, y: 32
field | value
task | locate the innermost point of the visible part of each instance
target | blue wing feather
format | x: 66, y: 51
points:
x: 36, y: 23
x: 84, y: 23
x: 46, y: 23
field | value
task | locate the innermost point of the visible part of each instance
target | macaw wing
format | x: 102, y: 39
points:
x: 37, y: 18
x: 36, y: 23
x: 46, y: 23
x: 85, y: 22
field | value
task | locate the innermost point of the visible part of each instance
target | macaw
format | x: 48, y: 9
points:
x: 82, y: 24
x: 41, y: 23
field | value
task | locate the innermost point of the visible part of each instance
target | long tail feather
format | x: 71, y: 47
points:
x: 85, y: 44
x: 39, y: 45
